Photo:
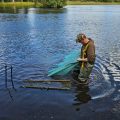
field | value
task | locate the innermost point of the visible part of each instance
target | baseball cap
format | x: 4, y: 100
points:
x: 80, y: 36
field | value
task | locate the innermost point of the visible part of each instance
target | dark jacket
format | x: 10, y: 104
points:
x: 89, y: 52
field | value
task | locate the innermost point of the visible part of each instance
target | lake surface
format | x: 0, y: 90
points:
x: 33, y: 41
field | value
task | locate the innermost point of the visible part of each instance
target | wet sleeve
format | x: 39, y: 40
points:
x: 91, y: 53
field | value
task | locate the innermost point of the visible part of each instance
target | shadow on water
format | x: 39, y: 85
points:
x: 15, y: 10
x: 81, y: 96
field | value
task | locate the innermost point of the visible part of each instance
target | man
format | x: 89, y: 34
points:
x: 87, y: 57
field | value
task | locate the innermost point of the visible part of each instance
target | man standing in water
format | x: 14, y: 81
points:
x: 87, y: 57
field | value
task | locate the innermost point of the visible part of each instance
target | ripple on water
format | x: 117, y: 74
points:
x: 103, y: 79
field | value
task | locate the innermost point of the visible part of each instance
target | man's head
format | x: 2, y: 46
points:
x: 81, y: 38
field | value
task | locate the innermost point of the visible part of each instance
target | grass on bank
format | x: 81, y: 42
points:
x: 38, y: 4
x: 91, y: 3
x: 20, y: 4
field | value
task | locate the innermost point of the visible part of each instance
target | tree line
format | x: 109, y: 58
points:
x: 58, y: 0
x: 56, y: 3
x: 45, y: 3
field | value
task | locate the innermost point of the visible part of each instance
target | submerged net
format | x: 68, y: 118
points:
x: 69, y: 62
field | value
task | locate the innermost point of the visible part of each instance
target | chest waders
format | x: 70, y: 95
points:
x: 83, y: 56
x: 85, y: 70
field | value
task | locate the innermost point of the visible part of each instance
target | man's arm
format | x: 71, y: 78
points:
x: 91, y: 53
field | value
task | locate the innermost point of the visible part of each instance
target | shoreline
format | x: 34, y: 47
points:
x: 20, y: 4
x: 91, y: 3
x: 39, y: 5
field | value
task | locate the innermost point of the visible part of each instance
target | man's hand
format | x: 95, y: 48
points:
x: 82, y: 59
x: 79, y: 59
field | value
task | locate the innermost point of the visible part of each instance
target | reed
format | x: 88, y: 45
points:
x: 20, y: 4
x: 38, y: 4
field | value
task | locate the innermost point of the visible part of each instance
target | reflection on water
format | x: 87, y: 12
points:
x: 30, y: 10
x: 81, y: 95
x: 35, y: 43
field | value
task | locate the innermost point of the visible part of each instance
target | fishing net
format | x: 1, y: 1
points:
x: 68, y: 64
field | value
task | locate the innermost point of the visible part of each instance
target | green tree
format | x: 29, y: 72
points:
x: 53, y: 3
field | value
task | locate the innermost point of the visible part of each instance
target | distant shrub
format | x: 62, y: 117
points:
x: 53, y: 3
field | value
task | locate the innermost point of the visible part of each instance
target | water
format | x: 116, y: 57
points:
x: 33, y: 41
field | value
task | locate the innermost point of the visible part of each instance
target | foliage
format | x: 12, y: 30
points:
x: 53, y: 3
x: 19, y: 4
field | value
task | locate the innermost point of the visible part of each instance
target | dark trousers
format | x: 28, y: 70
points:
x: 82, y: 74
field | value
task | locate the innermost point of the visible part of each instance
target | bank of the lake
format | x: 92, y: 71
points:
x: 38, y: 4
x: 20, y: 4
x: 91, y: 3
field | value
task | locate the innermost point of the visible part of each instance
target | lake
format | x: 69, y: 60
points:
x: 34, y: 40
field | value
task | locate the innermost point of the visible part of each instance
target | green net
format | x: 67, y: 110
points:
x: 68, y: 64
